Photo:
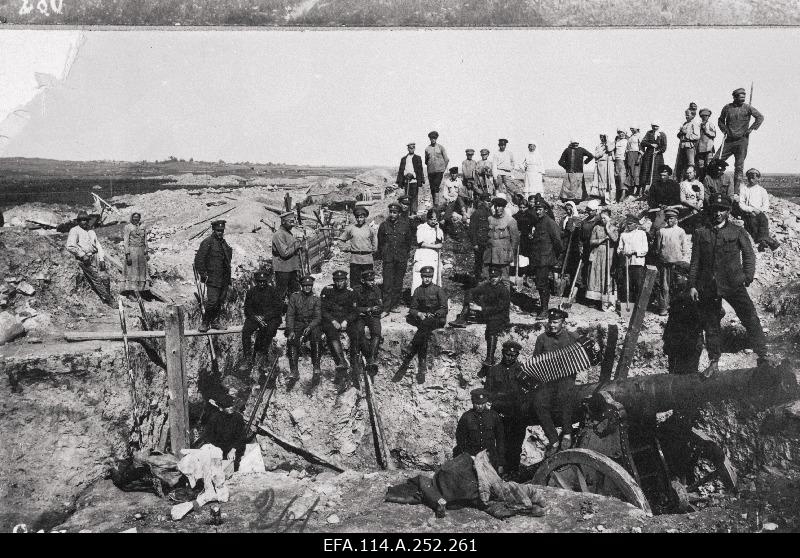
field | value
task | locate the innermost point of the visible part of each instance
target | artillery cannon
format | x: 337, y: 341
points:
x: 621, y: 451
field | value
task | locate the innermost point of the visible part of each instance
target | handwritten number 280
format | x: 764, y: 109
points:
x: 56, y: 6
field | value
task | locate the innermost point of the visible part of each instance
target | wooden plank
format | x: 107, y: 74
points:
x: 76, y: 336
x: 176, y: 380
x: 635, y: 325
x: 607, y: 365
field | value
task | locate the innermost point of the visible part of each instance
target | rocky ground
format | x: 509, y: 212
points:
x: 66, y: 406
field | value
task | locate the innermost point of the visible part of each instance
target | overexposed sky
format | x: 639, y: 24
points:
x: 356, y: 97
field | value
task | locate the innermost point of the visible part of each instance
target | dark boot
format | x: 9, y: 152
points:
x: 544, y: 300
x: 461, y: 320
x: 316, y: 376
x: 772, y: 243
x: 491, y: 348
x: 293, y: 353
x: 372, y: 361
x: 422, y: 356
x: 205, y: 326
x: 355, y: 365
x: 338, y: 356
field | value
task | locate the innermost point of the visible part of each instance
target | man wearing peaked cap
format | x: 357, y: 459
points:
x: 670, y: 246
x: 752, y: 205
x: 653, y: 146
x: 734, y: 122
x: 436, y: 161
x: 394, y: 244
x: 369, y: 303
x: 502, y: 165
x: 82, y: 243
x: 501, y: 382
x: 212, y: 262
x: 303, y: 319
x: 546, y: 248
x: 361, y: 241
x: 428, y: 312
x: 705, y: 146
x: 411, y: 176
x: 286, y: 257
x: 338, y: 316
x: 688, y: 136
x: 503, y: 239
x: 481, y: 428
x: 469, y: 174
x: 483, y: 171
x: 262, y: 316
x: 716, y: 273
x: 632, y: 159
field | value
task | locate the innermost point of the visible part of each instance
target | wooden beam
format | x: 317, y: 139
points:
x: 75, y: 336
x: 306, y: 453
x: 176, y: 381
x: 635, y: 325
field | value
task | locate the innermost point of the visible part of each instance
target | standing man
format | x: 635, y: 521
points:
x: 213, y: 263
x: 436, y: 161
x: 394, y: 243
x: 262, y: 316
x: 572, y: 160
x: 653, y: 144
x: 483, y: 168
x: 479, y: 234
x: 428, y: 312
x: 633, y: 158
x: 362, y: 242
x: 546, y: 249
x: 503, y: 239
x: 688, y: 136
x: 507, y: 401
x: 716, y: 181
x: 83, y: 244
x: 469, y: 169
x: 559, y: 392
x: 734, y: 121
x: 339, y: 315
x: 705, y: 146
x: 620, y: 173
x: 303, y: 318
x: 502, y: 165
x: 723, y: 266
x: 671, y: 246
x: 286, y: 257
x: 481, y: 428
x: 410, y: 176
x: 368, y: 308
x: 664, y: 194
x: 492, y: 300
x: 533, y: 165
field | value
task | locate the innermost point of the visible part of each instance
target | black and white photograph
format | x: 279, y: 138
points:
x: 397, y: 282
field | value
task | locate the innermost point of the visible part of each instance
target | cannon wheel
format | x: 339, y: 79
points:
x: 585, y: 470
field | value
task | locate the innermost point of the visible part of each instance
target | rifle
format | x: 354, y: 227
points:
x: 124, y: 327
x: 201, y: 296
x: 269, y: 382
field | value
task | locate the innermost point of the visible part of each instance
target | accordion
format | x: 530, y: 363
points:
x: 558, y: 364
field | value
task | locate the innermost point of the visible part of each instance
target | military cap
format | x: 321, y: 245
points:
x: 755, y: 172
x: 434, y: 134
x: 495, y: 271
x: 556, y: 314
x: 224, y: 401
x: 484, y: 151
x: 287, y: 215
x: 411, y: 144
x: 704, y: 111
x: 500, y: 202
x: 634, y: 128
x: 361, y: 210
x: 82, y: 216
x: 512, y: 345
x: 470, y: 150
x: 720, y: 201
x: 261, y: 275
x: 539, y: 202
x: 479, y: 395
x: 367, y: 275
x: 218, y: 224
x: 502, y: 141
x: 453, y: 170
x: 403, y: 199
x: 693, y: 105
x: 655, y: 124
x: 307, y: 280
x: 665, y: 168
x: 737, y: 91
x: 670, y: 213
x: 426, y: 271
x: 395, y: 206
x: 339, y: 274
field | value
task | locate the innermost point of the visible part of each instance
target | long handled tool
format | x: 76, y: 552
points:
x: 269, y: 383
x: 124, y: 327
x: 384, y: 457
x: 627, y: 283
x: 145, y: 320
x: 517, y: 283
x: 562, y: 280
x: 574, y: 290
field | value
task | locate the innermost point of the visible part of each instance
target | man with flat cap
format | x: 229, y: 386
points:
x: 469, y: 169
x: 633, y: 158
x: 545, y: 253
x: 688, y: 136
x: 286, y: 257
x: 620, y: 172
x: 734, y: 122
x: 481, y: 428
x: 436, y: 161
x: 394, y: 244
x: 671, y: 246
x: 507, y: 401
x: 705, y: 145
x: 502, y: 165
x: 483, y: 168
x: 361, y: 241
x: 303, y: 319
x: 558, y: 393
x: 492, y: 301
x: 479, y: 233
x: 262, y: 316
x: 572, y: 160
x: 213, y: 264
x: 717, y: 181
x: 82, y: 243
x: 410, y: 176
x: 664, y: 194
x: 653, y: 145
x: 369, y: 302
x: 502, y: 239
x: 427, y: 313
x: 338, y: 316
x: 723, y: 266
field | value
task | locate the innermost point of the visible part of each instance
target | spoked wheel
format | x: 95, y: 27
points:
x: 584, y: 470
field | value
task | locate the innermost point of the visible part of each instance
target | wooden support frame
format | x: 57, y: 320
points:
x: 635, y: 325
x: 76, y: 336
x: 176, y: 380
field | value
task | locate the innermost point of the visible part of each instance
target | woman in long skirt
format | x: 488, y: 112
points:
x: 533, y: 165
x: 134, y: 237
x: 429, y: 244
x: 602, y: 243
x: 604, y: 172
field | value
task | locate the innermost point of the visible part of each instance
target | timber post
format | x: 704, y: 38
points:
x: 635, y: 325
x: 176, y: 380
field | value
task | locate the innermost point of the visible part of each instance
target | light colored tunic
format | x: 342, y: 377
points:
x: 362, y: 242
x: 502, y: 163
x: 533, y: 166
x: 603, y: 174
x: 82, y: 243
x: 754, y: 197
x: 634, y: 244
x: 135, y: 242
x: 600, y: 283
x: 427, y: 256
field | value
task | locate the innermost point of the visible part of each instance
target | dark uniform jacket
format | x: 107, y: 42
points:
x: 226, y: 431
x: 285, y: 255
x: 303, y: 311
x: 367, y: 297
x: 481, y: 430
x: 495, y: 300
x: 394, y: 240
x: 723, y: 260
x: 213, y: 259
x: 546, y: 343
x: 501, y: 381
x: 546, y: 243
x: 416, y: 162
x: 664, y: 192
x: 573, y: 159
x: 479, y: 225
x: 263, y: 303
x: 338, y: 304
x: 525, y: 223
x: 430, y: 299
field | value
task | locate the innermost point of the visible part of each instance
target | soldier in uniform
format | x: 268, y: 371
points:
x: 262, y: 316
x: 481, y: 428
x: 368, y: 305
x: 428, y: 312
x: 303, y: 318
x: 501, y: 383
x: 494, y: 300
x: 479, y: 233
x: 213, y: 263
x: 339, y: 315
x: 362, y: 242
x: 286, y: 257
x: 556, y: 336
x: 723, y: 266
x: 545, y: 251
x: 394, y: 244
x: 501, y: 247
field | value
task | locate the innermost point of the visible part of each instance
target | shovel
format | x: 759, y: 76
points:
x: 566, y: 305
x: 562, y: 279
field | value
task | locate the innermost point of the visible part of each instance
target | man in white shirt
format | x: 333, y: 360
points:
x: 688, y: 135
x: 633, y: 157
x: 692, y: 191
x: 705, y: 146
x: 620, y: 172
x: 83, y: 244
x: 752, y: 203
x: 502, y: 165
